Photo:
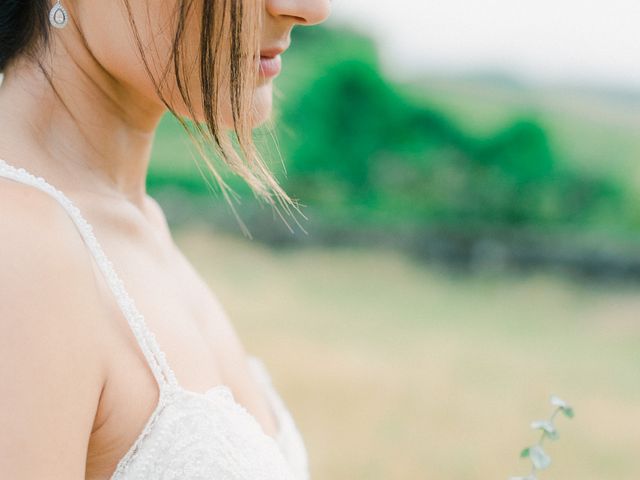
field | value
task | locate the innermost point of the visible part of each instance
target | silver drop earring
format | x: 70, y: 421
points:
x: 58, y: 16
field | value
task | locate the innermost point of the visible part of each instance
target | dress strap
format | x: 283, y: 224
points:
x: 146, y: 339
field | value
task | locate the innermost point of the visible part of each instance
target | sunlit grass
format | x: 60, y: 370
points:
x: 398, y: 371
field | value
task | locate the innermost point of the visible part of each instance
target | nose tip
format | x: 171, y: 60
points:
x: 305, y: 12
x: 319, y: 13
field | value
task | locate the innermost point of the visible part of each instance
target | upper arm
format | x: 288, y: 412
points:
x: 51, y: 371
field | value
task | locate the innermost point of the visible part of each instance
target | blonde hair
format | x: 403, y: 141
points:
x: 224, y: 20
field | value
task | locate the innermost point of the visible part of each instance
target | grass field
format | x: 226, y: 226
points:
x: 397, y: 371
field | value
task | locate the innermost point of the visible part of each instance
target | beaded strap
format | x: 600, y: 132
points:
x: 146, y: 339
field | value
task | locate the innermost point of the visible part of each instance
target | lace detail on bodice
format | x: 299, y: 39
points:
x: 197, y: 436
x: 205, y: 436
x: 189, y: 435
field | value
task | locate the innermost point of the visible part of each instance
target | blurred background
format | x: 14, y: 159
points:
x: 471, y: 180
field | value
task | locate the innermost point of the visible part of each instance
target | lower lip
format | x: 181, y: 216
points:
x: 270, y: 67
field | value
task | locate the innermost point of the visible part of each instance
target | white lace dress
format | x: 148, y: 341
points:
x: 189, y: 435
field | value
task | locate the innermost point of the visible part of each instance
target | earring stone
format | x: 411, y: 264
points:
x: 58, y: 16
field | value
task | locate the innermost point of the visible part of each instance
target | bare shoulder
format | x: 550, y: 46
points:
x: 51, y: 362
x: 157, y: 215
x: 38, y: 240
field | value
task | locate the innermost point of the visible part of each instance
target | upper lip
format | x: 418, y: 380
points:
x: 273, y: 51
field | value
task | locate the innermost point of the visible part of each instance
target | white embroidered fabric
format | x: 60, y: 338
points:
x: 189, y: 435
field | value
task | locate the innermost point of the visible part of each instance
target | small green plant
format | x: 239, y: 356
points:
x: 539, y: 458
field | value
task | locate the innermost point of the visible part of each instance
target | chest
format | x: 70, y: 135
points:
x: 194, y: 331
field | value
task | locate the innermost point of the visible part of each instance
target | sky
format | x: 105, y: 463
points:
x: 577, y: 41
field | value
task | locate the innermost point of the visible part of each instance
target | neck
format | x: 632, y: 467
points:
x: 85, y: 127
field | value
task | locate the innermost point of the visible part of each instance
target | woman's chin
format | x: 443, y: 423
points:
x: 262, y: 103
x: 260, y: 112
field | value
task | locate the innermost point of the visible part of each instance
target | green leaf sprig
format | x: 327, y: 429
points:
x: 539, y: 458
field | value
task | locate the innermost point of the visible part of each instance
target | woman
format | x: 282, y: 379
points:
x: 96, y: 385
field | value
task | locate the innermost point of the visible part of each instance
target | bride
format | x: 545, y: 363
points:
x: 116, y: 360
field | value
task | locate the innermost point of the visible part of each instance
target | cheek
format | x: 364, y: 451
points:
x: 108, y: 32
x: 111, y: 40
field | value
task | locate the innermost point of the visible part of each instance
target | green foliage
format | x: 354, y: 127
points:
x: 353, y: 142
x: 358, y: 149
